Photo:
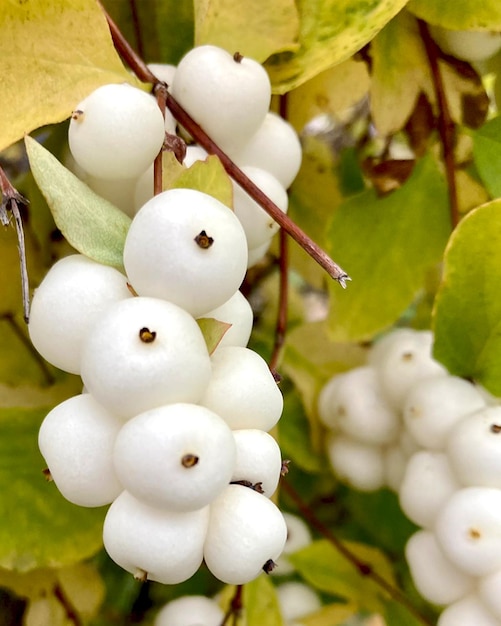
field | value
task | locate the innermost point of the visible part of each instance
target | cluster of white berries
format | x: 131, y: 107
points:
x: 175, y: 438
x: 403, y: 421
x: 229, y: 96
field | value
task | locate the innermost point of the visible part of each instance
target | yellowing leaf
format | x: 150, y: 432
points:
x: 467, y: 314
x: 256, y: 29
x: 387, y: 245
x: 261, y: 603
x: 331, y: 31
x: 400, y: 71
x: 459, y: 14
x: 208, y: 176
x: 53, y: 53
x: 332, y: 614
x: 213, y: 331
x: 487, y: 155
x: 91, y: 224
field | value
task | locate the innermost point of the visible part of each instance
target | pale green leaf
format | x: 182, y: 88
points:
x: 459, y: 14
x: 213, y: 331
x: 256, y: 29
x: 400, y: 71
x: 386, y: 245
x: 326, y: 569
x: 330, y: 615
x: 467, y: 316
x: 261, y: 603
x: 208, y: 176
x: 487, y: 155
x: 39, y: 527
x: 53, y: 53
x: 91, y: 224
x: 331, y: 31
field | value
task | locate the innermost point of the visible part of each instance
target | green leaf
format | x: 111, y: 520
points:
x: 256, y: 29
x: 213, y: 331
x: 487, y: 155
x: 336, y: 613
x: 467, y: 315
x: 208, y: 176
x: 386, y: 245
x: 39, y: 527
x: 92, y: 225
x: 53, y: 53
x: 330, y: 32
x: 460, y: 14
x: 261, y: 603
x: 322, y: 566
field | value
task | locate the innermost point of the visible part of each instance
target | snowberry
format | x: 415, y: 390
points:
x: 186, y: 247
x: 402, y: 358
x: 297, y: 600
x: 474, y: 448
x: 238, y: 312
x: 427, y: 484
x: 242, y: 389
x: 116, y: 132
x: 73, y: 294
x: 468, y: 45
x: 360, y: 465
x: 488, y: 590
x: 154, y: 544
x: 143, y: 353
x: 435, y: 577
x: 435, y: 405
x: 190, y: 611
x: 229, y: 96
x: 356, y: 405
x: 395, y: 463
x: 256, y: 255
x: 76, y: 440
x: 246, y: 533
x: 467, y: 529
x: 178, y: 456
x: 298, y: 536
x: 257, y: 224
x: 469, y: 611
x: 258, y: 460
x: 275, y: 147
x: 119, y: 192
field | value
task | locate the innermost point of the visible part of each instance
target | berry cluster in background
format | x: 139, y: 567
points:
x: 172, y: 434
x: 404, y: 422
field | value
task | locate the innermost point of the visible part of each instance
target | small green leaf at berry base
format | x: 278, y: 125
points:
x: 209, y: 177
x: 92, y: 225
x: 213, y: 331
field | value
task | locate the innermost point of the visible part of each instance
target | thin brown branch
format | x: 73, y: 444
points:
x: 446, y: 127
x: 141, y: 70
x: 160, y: 93
x: 236, y: 606
x: 364, y: 569
x: 71, y: 612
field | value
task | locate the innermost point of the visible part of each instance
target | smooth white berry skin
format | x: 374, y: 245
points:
x: 76, y: 440
x: 469, y: 611
x: 434, y: 406
x: 258, y: 459
x: 436, y: 578
x: 256, y: 255
x: 474, y: 448
x: 245, y: 531
x: 242, y: 390
x: 468, y: 529
x: 166, y: 545
x: 162, y: 258
x: 190, y: 611
x: 488, y: 590
x: 257, y: 224
x: 395, y: 464
x: 468, y: 45
x: 297, y: 600
x: 402, y: 358
x: 150, y: 449
x: 73, y: 294
x: 298, y: 536
x: 238, y: 312
x: 427, y: 485
x: 118, y: 134
x: 356, y: 406
x: 119, y: 192
x: 357, y: 464
x: 128, y: 375
x: 275, y: 147
x: 208, y: 81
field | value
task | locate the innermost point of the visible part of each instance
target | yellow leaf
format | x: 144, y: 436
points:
x: 336, y: 613
x: 460, y: 14
x: 256, y: 29
x: 209, y: 177
x: 53, y: 53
